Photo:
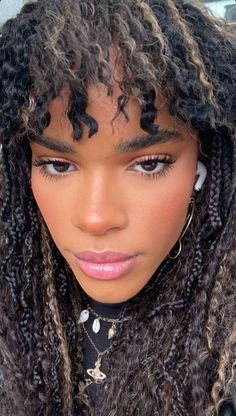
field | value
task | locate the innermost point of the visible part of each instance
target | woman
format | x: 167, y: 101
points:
x: 118, y: 210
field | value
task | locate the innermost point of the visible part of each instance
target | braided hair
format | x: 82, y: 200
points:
x: 179, y: 350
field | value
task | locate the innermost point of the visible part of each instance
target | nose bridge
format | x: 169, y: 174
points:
x: 99, y: 207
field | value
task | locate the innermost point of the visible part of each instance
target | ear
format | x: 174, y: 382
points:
x: 202, y: 174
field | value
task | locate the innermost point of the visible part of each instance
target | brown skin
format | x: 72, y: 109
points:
x: 103, y: 202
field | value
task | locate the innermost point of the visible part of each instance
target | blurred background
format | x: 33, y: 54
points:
x: 223, y: 8
x: 9, y: 8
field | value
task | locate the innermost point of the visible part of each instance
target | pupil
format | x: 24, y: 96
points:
x: 149, y: 166
x: 60, y: 167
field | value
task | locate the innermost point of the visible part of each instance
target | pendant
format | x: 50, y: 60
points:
x: 84, y: 316
x: 112, y: 331
x: 96, y: 326
x: 96, y: 373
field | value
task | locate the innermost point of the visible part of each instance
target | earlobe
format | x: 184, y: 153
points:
x: 202, y: 174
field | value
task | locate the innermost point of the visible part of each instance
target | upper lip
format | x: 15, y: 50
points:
x: 102, y: 257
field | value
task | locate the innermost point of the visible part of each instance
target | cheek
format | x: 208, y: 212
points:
x: 169, y: 214
x: 53, y: 207
x: 165, y: 212
x: 162, y: 218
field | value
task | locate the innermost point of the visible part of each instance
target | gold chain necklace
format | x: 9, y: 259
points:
x: 96, y: 373
x: 84, y: 316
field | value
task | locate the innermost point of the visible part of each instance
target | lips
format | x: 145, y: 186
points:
x: 105, y: 266
x: 103, y: 257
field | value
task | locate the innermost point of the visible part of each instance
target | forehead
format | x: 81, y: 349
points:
x: 103, y: 109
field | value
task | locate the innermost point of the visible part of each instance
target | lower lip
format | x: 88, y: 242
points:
x: 106, y: 271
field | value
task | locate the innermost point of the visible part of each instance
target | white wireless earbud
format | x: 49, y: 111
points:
x: 202, y: 174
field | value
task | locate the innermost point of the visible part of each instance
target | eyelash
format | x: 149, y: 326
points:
x: 166, y: 161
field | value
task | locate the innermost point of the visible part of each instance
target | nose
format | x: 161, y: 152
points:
x: 99, y: 206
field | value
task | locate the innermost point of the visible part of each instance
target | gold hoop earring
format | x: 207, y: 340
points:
x: 186, y: 227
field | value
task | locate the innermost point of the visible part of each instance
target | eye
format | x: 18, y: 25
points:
x: 54, y: 169
x: 153, y: 166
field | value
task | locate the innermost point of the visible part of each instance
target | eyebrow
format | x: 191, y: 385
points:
x: 140, y: 142
x: 53, y: 144
x: 125, y: 146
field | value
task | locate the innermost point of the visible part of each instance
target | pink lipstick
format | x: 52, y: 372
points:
x: 107, y: 265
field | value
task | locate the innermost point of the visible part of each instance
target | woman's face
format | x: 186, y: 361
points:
x: 121, y: 191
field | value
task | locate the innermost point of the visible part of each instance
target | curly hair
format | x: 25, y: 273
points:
x: 177, y: 356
